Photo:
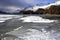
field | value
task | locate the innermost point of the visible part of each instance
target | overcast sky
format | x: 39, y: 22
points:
x: 22, y: 3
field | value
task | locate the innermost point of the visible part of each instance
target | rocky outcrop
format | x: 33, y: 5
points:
x: 26, y: 12
x: 39, y: 11
x: 53, y: 10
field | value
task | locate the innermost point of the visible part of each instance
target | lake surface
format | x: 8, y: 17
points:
x: 29, y: 27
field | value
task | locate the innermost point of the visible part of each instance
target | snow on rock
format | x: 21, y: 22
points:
x: 36, y: 19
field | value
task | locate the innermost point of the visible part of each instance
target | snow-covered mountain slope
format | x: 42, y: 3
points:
x: 34, y: 8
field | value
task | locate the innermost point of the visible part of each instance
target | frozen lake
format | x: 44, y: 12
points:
x: 29, y: 27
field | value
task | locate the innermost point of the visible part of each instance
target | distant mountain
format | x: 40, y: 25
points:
x: 29, y: 7
x: 10, y: 9
x: 5, y: 12
x: 34, y: 8
x: 53, y: 9
x: 2, y: 12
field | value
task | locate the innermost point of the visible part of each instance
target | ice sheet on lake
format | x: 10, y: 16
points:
x: 38, y: 35
x: 3, y: 18
x: 36, y: 19
x: 33, y: 34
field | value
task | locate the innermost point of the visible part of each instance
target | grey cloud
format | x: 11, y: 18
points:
x: 17, y: 3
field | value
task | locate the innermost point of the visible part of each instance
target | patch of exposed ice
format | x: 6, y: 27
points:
x: 36, y: 19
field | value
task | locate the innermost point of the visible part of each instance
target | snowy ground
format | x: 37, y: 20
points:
x: 32, y: 27
x: 3, y: 18
x: 36, y: 19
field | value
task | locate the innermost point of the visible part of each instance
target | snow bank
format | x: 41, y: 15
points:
x: 36, y: 19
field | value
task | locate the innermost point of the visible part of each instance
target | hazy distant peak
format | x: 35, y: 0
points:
x: 10, y: 9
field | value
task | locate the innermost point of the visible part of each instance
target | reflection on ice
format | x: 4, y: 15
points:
x: 36, y: 19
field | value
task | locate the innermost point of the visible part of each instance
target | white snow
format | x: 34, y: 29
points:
x: 2, y: 21
x: 34, y: 34
x: 18, y: 28
x: 34, y: 8
x: 3, y: 18
x: 36, y: 19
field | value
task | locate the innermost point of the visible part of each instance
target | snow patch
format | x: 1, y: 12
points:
x: 34, y: 8
x: 18, y: 28
x: 36, y: 19
x: 3, y: 18
x: 2, y: 21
